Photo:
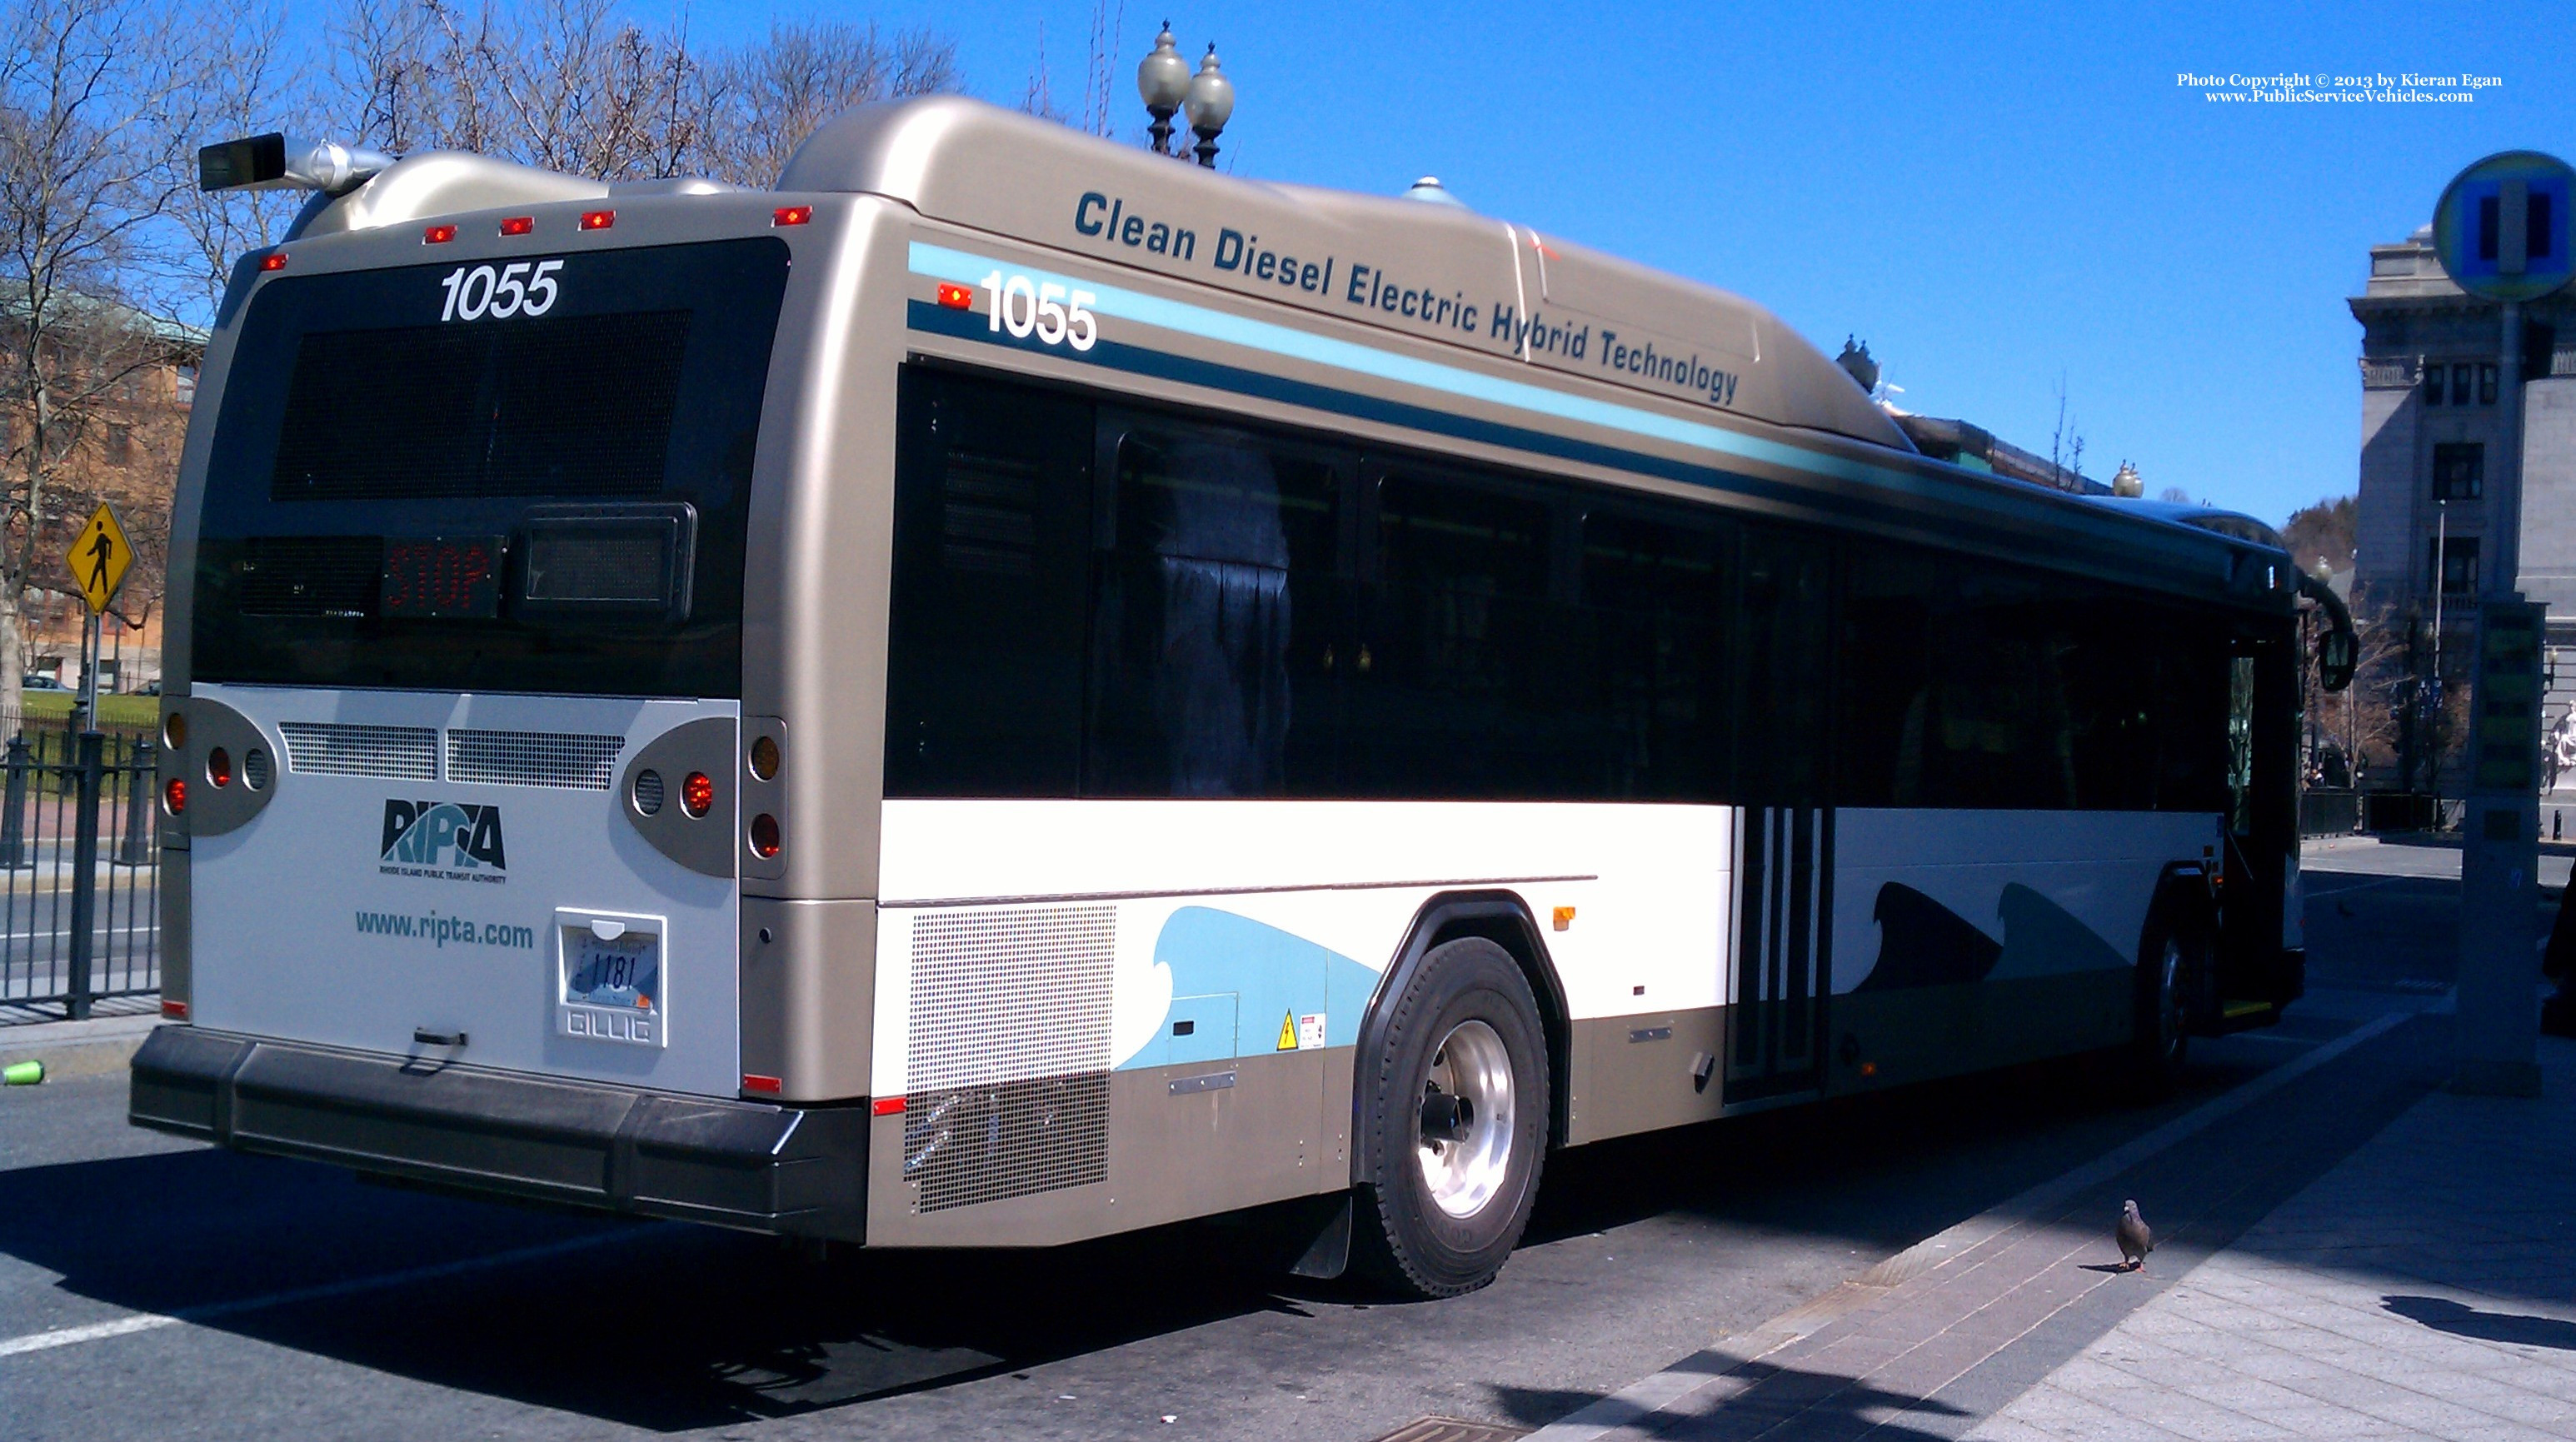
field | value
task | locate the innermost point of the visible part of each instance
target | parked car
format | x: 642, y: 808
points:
x: 39, y: 681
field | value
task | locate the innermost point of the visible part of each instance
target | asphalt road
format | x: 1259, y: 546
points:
x: 511, y: 1323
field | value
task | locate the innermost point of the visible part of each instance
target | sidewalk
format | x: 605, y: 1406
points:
x: 2425, y: 1287
x: 2342, y: 1169
x: 95, y: 1047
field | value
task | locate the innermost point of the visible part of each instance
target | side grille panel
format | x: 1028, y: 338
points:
x: 534, y: 758
x: 326, y: 748
x: 1008, y: 1082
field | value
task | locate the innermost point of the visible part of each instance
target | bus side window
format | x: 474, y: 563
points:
x: 1214, y: 619
x: 1647, y: 675
x: 984, y: 671
x: 1886, y: 675
x: 1785, y: 663
x: 1452, y: 693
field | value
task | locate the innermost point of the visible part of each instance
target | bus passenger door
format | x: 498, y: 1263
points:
x: 1784, y: 853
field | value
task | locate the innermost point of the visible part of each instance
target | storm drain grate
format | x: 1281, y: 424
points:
x: 1452, y: 1429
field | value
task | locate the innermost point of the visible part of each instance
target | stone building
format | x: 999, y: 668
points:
x: 2432, y: 435
x: 134, y: 376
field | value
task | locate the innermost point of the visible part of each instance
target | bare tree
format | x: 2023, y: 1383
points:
x: 767, y: 99
x: 253, y: 91
x: 101, y: 103
x: 2065, y: 444
x: 565, y: 84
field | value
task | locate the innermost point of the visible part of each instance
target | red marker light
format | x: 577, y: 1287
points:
x: 175, y: 1010
x: 764, y: 836
x: 175, y: 796
x: 219, y: 767
x: 437, y: 234
x: 519, y: 225
x: 956, y: 297
x: 755, y: 1082
x: 887, y: 1106
x: 697, y: 793
x: 274, y: 260
x: 598, y: 219
x: 791, y: 215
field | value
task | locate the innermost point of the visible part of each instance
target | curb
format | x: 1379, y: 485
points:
x: 77, y: 1048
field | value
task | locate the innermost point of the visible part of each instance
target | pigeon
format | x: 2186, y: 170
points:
x: 2134, y: 1238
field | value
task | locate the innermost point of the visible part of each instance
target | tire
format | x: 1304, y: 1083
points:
x: 2171, y: 966
x: 1463, y: 1054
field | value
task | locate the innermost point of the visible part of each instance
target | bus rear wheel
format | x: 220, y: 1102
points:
x: 1457, y: 1104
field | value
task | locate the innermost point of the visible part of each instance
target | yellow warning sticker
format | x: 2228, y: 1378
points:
x: 1288, y: 1032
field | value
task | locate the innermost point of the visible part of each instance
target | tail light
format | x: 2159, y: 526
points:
x: 219, y: 768
x: 175, y: 796
x: 519, y: 225
x: 598, y: 219
x: 791, y: 215
x: 764, y: 836
x: 697, y: 793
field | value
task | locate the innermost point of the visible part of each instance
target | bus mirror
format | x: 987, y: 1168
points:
x: 2337, y: 651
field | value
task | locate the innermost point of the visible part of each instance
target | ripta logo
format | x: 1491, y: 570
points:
x: 443, y: 834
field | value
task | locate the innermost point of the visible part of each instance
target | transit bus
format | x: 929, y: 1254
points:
x: 1009, y: 690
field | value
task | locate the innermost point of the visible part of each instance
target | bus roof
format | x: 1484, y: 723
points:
x: 1435, y: 272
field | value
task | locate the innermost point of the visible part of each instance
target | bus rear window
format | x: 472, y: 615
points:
x: 568, y: 405
x: 400, y: 497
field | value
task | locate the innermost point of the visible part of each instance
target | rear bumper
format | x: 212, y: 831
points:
x: 795, y: 1170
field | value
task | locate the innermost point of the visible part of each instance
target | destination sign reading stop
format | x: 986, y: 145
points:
x: 2502, y: 228
x: 98, y: 558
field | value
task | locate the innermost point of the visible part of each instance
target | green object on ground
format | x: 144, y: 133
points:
x: 24, y: 1074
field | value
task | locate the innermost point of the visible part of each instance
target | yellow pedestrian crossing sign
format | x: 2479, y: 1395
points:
x: 98, y: 558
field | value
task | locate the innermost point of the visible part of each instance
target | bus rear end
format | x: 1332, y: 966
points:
x: 453, y: 746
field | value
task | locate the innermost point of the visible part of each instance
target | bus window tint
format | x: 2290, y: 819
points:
x: 1968, y: 684
x: 1451, y: 692
x: 1648, y: 676
x: 1784, y: 667
x: 1212, y: 619
x: 984, y: 676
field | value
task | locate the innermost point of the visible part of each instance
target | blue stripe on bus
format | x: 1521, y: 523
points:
x: 932, y: 319
x: 963, y: 267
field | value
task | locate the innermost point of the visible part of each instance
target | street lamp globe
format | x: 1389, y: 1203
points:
x: 1210, y: 104
x: 1163, y: 79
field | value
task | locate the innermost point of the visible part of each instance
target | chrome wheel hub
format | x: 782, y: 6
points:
x: 1464, y: 1130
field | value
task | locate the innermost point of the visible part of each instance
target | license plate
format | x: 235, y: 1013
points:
x: 612, y: 982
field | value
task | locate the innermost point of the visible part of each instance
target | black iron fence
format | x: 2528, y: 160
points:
x: 2324, y: 812
x: 79, y: 870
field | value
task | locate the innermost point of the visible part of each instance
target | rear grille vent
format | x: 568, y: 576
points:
x: 534, y: 758
x: 310, y: 575
x: 1008, y: 1080
x: 328, y: 748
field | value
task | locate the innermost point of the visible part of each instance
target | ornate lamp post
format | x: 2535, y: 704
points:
x: 1210, y: 104
x: 1163, y: 78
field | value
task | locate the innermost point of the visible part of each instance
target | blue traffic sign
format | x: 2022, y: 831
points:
x: 2502, y: 228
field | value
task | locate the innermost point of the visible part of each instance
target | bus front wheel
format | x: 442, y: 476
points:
x: 2171, y: 966
x: 1457, y: 1105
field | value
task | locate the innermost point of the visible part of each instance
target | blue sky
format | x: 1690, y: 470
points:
x: 1993, y: 196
